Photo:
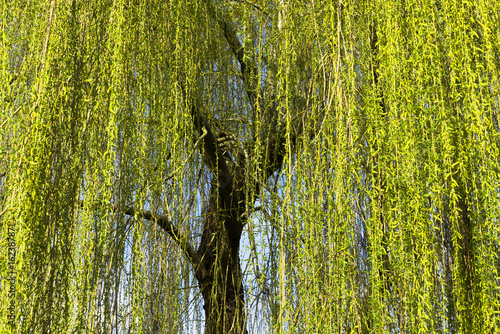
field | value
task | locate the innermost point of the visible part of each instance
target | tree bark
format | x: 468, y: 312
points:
x: 222, y: 287
x: 221, y: 282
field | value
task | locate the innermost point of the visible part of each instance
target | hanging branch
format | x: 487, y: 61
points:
x: 187, y: 159
x: 249, y: 71
x: 165, y: 222
x: 248, y: 67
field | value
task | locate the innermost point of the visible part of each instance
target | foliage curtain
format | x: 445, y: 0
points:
x: 383, y: 218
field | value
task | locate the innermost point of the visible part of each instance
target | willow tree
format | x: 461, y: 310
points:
x: 250, y: 166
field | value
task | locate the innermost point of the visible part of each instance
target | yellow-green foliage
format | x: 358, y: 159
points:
x: 384, y: 217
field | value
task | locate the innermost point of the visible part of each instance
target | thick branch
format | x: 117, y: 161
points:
x: 167, y: 225
x: 272, y: 133
x: 247, y: 65
x: 212, y: 156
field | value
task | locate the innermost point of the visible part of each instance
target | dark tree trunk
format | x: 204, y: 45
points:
x: 221, y: 285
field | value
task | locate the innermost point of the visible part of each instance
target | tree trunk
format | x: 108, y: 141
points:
x: 222, y: 286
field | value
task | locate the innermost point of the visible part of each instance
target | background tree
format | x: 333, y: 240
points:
x: 250, y: 166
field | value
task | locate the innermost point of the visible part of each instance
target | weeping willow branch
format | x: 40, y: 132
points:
x: 247, y: 65
x: 45, y: 47
x: 189, y: 156
x: 253, y: 5
x: 273, y: 134
x: 165, y: 222
x: 213, y: 155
